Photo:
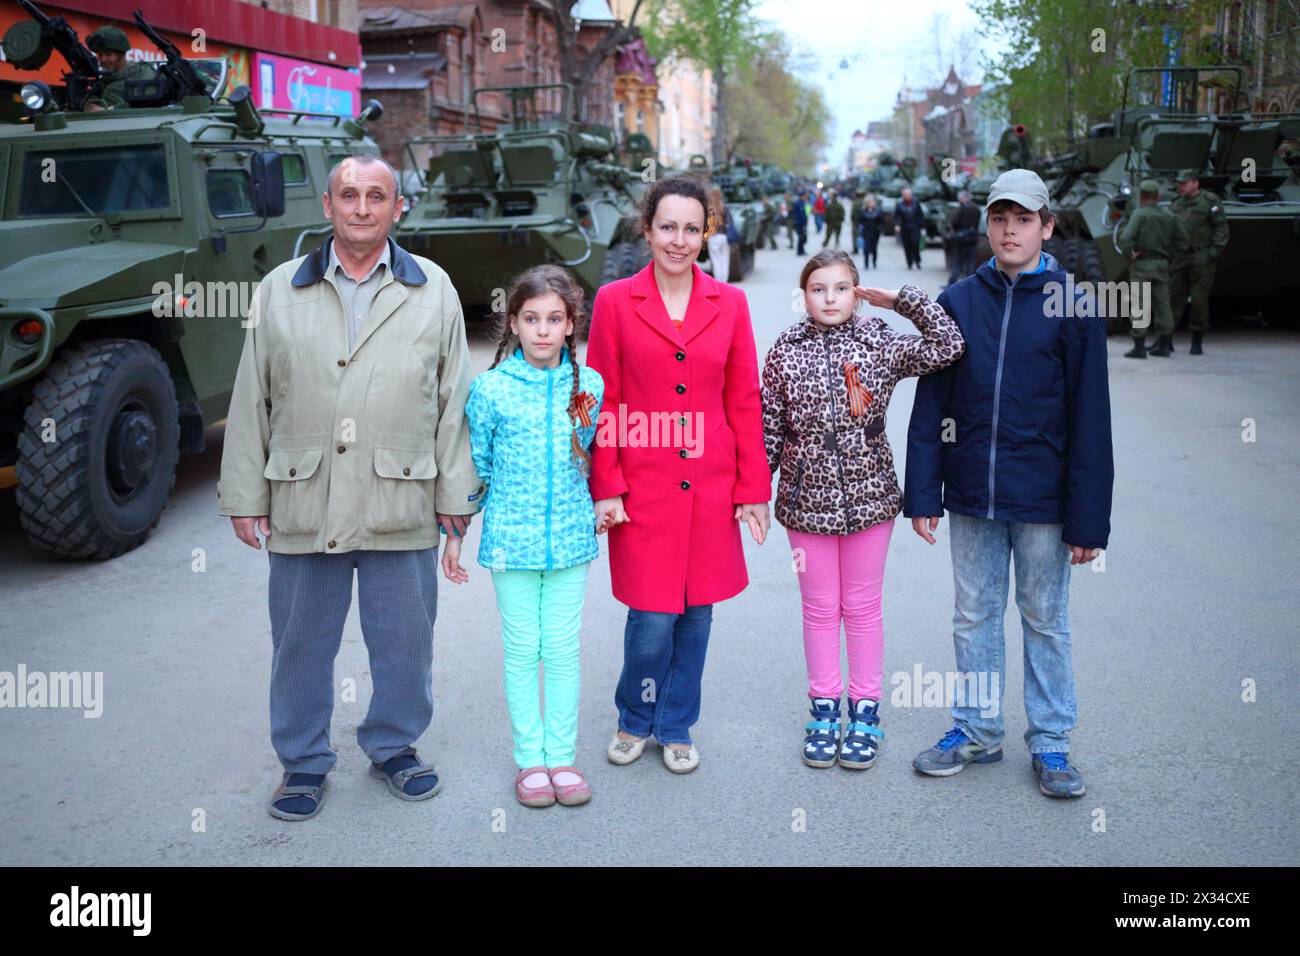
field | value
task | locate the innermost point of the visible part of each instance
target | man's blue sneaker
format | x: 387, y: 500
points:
x: 1056, y: 778
x: 951, y: 755
x: 862, y: 736
x: 822, y: 740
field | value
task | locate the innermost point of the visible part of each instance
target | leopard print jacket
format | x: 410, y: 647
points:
x: 837, y: 470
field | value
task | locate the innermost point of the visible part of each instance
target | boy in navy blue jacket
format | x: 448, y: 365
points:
x: 1014, y: 442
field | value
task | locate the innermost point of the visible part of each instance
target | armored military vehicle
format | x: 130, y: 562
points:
x: 1166, y: 122
x: 131, y: 242
x: 744, y: 216
x: 540, y: 188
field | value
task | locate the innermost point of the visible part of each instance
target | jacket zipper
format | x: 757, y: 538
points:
x: 550, y: 461
x: 830, y: 382
x: 997, y: 392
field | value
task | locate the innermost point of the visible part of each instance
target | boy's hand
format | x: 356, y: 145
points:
x: 609, y: 512
x: 756, y: 516
x: 880, y: 298
x: 919, y: 525
x: 451, y: 561
x: 1080, y: 555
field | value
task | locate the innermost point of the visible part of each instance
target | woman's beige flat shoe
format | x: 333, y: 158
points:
x: 623, y: 752
x: 681, y: 759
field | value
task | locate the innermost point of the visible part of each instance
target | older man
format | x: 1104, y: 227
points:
x: 909, y: 223
x: 346, y: 448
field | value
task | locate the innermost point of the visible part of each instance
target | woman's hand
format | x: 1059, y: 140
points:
x: 880, y: 298
x: 451, y: 561
x: 609, y: 512
x: 756, y: 516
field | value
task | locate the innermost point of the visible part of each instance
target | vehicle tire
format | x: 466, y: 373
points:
x: 1089, y: 268
x: 98, y: 488
x: 621, y: 260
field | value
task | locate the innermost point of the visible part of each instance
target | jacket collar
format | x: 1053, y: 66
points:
x: 403, y: 265
x: 700, y: 310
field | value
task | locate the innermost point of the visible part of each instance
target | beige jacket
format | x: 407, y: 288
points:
x: 351, y: 452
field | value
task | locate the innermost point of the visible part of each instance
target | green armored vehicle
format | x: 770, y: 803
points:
x: 1248, y: 159
x: 541, y: 188
x: 131, y: 243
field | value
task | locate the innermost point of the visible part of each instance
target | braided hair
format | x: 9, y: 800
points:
x: 529, y: 284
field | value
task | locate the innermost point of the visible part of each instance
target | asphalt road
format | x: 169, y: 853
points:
x: 1197, y: 597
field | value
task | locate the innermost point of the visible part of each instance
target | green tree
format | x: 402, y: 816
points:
x: 1065, y: 60
x: 773, y: 116
x: 718, y: 34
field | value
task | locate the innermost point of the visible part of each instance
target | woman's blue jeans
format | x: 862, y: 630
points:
x: 663, y: 662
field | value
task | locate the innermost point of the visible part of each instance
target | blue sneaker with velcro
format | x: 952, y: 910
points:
x: 822, y: 743
x: 862, y: 736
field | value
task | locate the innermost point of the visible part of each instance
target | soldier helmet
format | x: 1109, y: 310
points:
x: 1149, y: 186
x: 1185, y: 174
x: 108, y: 40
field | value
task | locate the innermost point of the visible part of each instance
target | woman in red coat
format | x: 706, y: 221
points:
x: 677, y: 463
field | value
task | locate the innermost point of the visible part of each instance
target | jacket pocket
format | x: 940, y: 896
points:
x: 297, y: 492
x: 402, y: 489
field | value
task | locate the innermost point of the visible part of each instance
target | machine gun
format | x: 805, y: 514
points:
x: 28, y: 43
x: 176, y: 77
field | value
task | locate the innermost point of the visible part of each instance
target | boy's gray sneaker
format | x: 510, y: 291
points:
x: 951, y: 755
x: 1056, y: 778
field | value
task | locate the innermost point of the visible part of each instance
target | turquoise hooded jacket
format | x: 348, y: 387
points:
x: 538, y: 513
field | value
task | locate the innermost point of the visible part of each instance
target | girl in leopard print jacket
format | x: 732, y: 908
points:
x: 826, y: 387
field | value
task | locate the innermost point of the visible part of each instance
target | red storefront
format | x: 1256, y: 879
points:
x: 288, y: 61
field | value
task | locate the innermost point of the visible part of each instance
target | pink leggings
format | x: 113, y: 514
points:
x: 840, y: 576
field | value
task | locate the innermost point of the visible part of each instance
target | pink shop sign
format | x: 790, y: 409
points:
x: 283, y: 83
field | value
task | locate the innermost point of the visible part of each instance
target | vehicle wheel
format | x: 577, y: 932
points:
x: 1069, y: 257
x: 1089, y: 268
x: 98, y: 488
x: 619, y: 263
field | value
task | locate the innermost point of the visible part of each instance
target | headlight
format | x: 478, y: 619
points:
x: 35, y: 96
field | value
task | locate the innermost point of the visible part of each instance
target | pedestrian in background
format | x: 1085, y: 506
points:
x: 873, y: 223
x: 532, y: 420
x: 909, y: 224
x: 718, y: 241
x: 347, y: 448
x: 799, y: 222
x: 1014, y: 442
x: 964, y: 228
x: 1192, y: 274
x: 834, y: 220
x: 838, y: 494
x: 819, y: 209
x: 1152, y: 237
x: 673, y: 344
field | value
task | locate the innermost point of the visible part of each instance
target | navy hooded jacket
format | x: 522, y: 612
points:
x: 1026, y: 411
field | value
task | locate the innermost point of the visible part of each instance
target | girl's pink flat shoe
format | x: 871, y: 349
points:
x: 573, y: 794
x: 542, y: 796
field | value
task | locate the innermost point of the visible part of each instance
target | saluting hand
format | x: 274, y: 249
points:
x: 880, y: 298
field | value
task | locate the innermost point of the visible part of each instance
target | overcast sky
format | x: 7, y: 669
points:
x: 884, y: 42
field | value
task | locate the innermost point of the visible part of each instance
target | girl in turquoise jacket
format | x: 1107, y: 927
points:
x: 532, y: 419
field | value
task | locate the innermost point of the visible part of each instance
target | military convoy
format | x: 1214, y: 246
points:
x: 540, y: 188
x: 130, y: 243
x: 1158, y: 130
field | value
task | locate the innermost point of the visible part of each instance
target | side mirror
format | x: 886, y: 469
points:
x: 268, y: 183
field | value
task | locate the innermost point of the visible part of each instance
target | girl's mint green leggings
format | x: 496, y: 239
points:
x: 541, y: 615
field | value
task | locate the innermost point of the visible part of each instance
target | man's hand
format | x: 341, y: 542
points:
x: 454, y: 526
x: 756, y: 516
x: 451, y: 566
x: 924, y: 527
x: 1080, y: 555
x: 609, y: 512
x: 246, y: 530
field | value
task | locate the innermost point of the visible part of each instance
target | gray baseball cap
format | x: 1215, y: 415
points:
x: 1021, y: 186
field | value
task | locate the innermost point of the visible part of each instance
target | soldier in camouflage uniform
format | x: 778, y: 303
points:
x: 1150, y: 239
x: 110, y: 45
x: 1203, y: 217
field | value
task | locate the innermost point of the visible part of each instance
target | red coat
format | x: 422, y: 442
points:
x: 682, y: 545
